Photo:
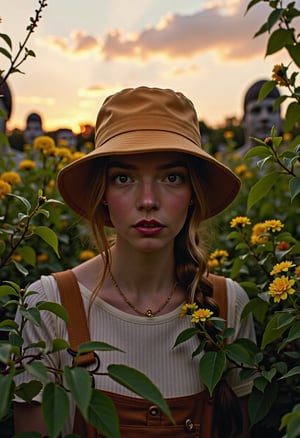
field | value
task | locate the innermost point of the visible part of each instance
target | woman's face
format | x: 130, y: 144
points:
x: 148, y: 197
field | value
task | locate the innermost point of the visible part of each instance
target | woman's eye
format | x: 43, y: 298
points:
x: 121, y: 179
x: 174, y: 178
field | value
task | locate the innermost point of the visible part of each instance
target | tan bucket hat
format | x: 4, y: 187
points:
x: 141, y: 120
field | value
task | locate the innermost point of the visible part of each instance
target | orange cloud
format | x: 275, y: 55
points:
x: 229, y: 36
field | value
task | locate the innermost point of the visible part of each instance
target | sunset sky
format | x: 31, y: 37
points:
x: 88, y: 49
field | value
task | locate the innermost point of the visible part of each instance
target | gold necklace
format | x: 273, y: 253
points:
x: 149, y: 313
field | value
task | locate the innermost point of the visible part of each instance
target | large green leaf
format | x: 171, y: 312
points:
x: 55, y: 308
x: 140, y: 384
x: 55, y: 407
x: 261, y: 188
x: 6, y: 390
x: 80, y: 384
x: 27, y: 391
x: 38, y: 370
x: 239, y: 354
x: 211, y: 368
x: 294, y: 187
x: 87, y: 347
x: 260, y: 403
x: 48, y: 236
x: 278, y: 40
x: 31, y: 314
x: 185, y: 335
x: 272, y: 332
x: 103, y: 414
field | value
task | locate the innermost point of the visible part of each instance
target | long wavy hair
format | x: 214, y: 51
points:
x: 190, y: 253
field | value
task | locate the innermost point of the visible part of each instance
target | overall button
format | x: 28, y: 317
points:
x: 153, y: 410
x: 189, y: 425
x: 154, y: 416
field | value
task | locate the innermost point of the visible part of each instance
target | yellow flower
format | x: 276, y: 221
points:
x: 258, y: 232
x: 44, y: 143
x: 228, y: 135
x: 27, y: 165
x: 282, y: 267
x: 281, y: 287
x: 297, y: 271
x: 16, y: 257
x: 201, y: 315
x: 241, y: 169
x: 240, y: 221
x: 188, y: 309
x: 213, y: 263
x: 217, y: 257
x: 88, y: 145
x: 86, y: 255
x: 76, y: 155
x: 11, y: 177
x: 273, y: 225
x: 42, y: 258
x: 63, y: 153
x: 5, y: 188
x: 279, y: 74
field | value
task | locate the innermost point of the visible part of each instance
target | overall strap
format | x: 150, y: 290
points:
x: 220, y: 293
x: 71, y: 300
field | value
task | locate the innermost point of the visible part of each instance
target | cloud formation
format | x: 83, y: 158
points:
x: 229, y: 36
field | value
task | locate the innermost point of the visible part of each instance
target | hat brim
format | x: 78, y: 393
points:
x: 220, y: 185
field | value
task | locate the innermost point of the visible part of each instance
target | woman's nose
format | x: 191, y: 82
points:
x: 148, y: 196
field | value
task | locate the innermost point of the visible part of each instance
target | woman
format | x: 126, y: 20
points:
x: 150, y: 180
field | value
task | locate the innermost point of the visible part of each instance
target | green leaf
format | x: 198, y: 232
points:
x: 27, y: 391
x: 211, y: 368
x: 251, y: 4
x: 5, y: 52
x: 265, y: 90
x: 7, y: 39
x: 21, y: 268
x: 186, y: 335
x: 8, y: 290
x: 260, y: 403
x: 28, y: 254
x: 7, y: 387
x: 272, y: 332
x: 23, y: 200
x: 37, y: 369
x: 258, y: 307
x: 55, y: 407
x: 292, y: 116
x: 291, y: 373
x: 274, y: 17
x: 55, y: 308
x: 261, y: 189
x: 8, y: 324
x: 5, y: 351
x: 258, y: 151
x: 31, y: 314
x: 59, y: 344
x: 103, y: 414
x: 239, y: 354
x: 269, y: 374
x: 278, y: 40
x: 48, y: 236
x: 294, y: 187
x: 80, y: 384
x: 140, y: 384
x: 87, y: 347
x: 294, y: 52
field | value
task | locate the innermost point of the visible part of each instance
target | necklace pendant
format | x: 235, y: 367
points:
x: 149, y: 313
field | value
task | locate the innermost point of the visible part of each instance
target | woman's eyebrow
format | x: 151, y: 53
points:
x: 170, y: 165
